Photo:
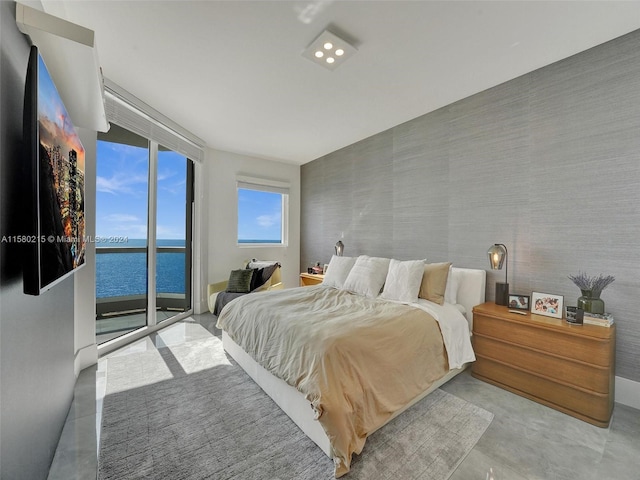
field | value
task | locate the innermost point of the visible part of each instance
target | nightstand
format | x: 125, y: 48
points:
x: 308, y: 279
x: 567, y: 367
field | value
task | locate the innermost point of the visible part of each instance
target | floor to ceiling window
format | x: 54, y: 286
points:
x: 122, y: 193
x: 173, y: 233
x: 144, y: 205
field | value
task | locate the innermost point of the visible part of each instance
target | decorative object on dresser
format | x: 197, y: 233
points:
x: 519, y: 302
x: 591, y: 289
x: 574, y: 315
x: 570, y: 368
x: 498, y: 257
x: 339, y: 248
x: 547, y: 304
x: 602, y: 320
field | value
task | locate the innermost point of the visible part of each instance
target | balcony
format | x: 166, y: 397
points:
x: 121, y: 287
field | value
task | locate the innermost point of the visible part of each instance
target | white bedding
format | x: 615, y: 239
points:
x: 455, y: 331
x: 453, y: 326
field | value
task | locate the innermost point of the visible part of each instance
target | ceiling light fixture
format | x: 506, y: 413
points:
x: 329, y: 50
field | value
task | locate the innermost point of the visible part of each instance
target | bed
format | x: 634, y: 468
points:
x: 342, y: 364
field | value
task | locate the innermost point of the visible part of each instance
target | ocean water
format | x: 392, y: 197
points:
x: 253, y: 240
x: 119, y: 274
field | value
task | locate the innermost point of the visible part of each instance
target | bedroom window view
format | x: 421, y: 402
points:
x: 123, y: 241
x: 122, y: 186
x: 173, y: 227
x: 261, y: 217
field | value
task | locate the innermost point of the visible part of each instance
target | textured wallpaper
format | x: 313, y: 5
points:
x: 548, y: 164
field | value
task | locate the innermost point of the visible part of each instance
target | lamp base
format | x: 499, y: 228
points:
x: 502, y: 293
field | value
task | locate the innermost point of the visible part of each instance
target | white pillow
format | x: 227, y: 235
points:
x: 451, y: 291
x: 337, y: 271
x: 403, y: 281
x: 367, y: 276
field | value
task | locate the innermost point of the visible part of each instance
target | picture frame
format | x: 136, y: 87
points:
x: 547, y: 304
x: 519, y: 302
x: 574, y: 315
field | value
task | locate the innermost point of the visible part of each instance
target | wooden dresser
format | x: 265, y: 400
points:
x: 567, y: 367
x: 308, y: 279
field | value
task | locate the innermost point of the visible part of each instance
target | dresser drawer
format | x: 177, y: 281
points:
x: 590, y: 406
x: 585, y: 349
x: 564, y: 366
x: 561, y: 369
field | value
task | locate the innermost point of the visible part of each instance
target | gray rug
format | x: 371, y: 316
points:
x: 189, y: 412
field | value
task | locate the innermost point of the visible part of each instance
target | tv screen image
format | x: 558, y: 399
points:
x: 56, y: 165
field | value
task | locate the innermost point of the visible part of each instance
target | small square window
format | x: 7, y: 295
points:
x: 261, y: 217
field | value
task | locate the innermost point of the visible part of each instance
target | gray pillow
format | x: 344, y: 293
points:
x: 240, y: 281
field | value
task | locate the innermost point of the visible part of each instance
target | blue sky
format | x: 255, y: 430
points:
x: 122, y: 185
x: 121, y: 199
x: 259, y: 215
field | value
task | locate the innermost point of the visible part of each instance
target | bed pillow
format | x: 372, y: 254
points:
x: 403, y: 280
x: 240, y: 281
x: 367, y: 276
x: 434, y: 282
x: 338, y: 270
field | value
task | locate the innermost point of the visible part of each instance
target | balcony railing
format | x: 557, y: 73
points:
x: 121, y: 284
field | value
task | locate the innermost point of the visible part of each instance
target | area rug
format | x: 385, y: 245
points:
x: 189, y: 412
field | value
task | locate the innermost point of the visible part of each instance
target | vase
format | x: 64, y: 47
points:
x: 590, y: 303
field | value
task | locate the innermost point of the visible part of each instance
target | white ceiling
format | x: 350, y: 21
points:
x: 232, y: 72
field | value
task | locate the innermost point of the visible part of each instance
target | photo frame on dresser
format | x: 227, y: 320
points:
x: 547, y: 304
x: 519, y: 302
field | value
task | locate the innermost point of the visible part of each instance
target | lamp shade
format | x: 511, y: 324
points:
x: 339, y: 248
x: 497, y: 254
x: 497, y: 258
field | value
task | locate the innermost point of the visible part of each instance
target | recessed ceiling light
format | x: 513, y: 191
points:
x: 329, y: 50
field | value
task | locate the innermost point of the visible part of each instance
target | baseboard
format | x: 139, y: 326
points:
x: 85, y: 357
x: 201, y: 307
x: 628, y: 392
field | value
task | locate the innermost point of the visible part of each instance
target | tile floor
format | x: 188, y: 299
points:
x: 525, y: 441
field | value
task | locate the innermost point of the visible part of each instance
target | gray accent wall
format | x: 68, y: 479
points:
x: 548, y: 164
x: 36, y: 333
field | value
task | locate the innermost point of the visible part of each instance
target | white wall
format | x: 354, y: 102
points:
x: 85, y: 348
x: 221, y: 214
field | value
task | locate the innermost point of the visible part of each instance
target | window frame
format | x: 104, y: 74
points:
x: 264, y: 185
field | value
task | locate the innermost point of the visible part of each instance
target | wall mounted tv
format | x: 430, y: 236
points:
x: 54, y: 237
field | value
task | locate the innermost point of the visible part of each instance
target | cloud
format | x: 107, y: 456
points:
x: 121, y: 184
x: 130, y: 230
x: 164, y: 232
x: 121, y: 218
x: 268, y: 220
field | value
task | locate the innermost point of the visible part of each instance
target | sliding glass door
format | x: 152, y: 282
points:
x: 122, y: 193
x: 143, y: 228
x: 173, y: 233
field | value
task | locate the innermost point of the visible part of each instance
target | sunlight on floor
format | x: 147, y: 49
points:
x: 160, y: 356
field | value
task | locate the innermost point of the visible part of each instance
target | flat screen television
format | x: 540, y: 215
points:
x: 54, y: 237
